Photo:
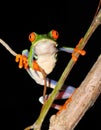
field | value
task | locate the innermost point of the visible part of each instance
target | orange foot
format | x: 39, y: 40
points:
x: 77, y: 50
x: 23, y: 61
x: 65, y: 104
x: 36, y: 66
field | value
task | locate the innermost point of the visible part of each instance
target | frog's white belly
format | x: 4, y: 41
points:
x: 47, y: 62
x: 46, y: 51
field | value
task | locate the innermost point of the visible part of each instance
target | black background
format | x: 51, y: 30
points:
x: 18, y: 92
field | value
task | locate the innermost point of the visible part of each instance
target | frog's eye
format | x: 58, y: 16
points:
x: 55, y: 34
x: 32, y: 36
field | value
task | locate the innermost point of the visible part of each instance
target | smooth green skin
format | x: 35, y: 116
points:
x: 38, y: 38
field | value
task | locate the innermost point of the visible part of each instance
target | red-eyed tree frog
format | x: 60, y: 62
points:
x: 40, y: 60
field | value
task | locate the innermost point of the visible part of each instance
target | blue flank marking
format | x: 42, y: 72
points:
x: 67, y: 49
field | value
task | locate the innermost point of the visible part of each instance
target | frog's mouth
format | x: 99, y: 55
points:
x: 45, y: 40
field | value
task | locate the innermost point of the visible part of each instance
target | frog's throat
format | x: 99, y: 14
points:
x: 45, y: 39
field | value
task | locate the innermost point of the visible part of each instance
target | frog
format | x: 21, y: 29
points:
x: 40, y: 60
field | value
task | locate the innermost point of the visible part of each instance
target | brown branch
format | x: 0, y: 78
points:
x: 82, y: 100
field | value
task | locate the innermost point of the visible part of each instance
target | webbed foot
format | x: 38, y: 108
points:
x: 23, y: 61
x: 77, y: 50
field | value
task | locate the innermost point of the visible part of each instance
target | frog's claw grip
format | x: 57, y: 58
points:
x: 64, y: 106
x: 67, y: 102
x: 23, y: 61
x: 77, y: 50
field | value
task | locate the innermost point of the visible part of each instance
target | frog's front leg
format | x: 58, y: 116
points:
x: 67, y: 49
x: 23, y: 62
x: 73, y: 51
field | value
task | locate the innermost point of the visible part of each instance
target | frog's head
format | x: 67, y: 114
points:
x: 36, y: 38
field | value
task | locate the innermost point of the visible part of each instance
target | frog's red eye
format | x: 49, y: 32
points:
x: 32, y: 36
x: 55, y: 34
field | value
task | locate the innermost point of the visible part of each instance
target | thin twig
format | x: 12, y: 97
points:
x: 8, y: 47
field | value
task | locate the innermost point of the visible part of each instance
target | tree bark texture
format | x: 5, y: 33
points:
x: 82, y: 99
